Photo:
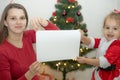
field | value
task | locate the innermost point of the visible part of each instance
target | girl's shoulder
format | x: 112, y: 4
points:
x: 116, y: 42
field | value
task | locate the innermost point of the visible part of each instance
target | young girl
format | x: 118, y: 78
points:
x: 17, y: 56
x: 107, y: 61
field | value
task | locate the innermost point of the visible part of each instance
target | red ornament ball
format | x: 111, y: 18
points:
x: 64, y: 13
x: 54, y: 14
x: 85, y: 30
x: 78, y: 13
x: 58, y: 1
x: 72, y: 1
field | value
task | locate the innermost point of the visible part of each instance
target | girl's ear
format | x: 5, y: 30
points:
x: 5, y: 23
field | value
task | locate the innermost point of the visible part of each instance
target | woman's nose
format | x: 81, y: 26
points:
x: 18, y: 21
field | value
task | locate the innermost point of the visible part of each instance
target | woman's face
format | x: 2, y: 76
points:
x: 15, y: 21
x: 111, y: 29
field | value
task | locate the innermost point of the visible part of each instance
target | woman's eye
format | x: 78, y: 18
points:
x: 22, y: 18
x: 12, y: 18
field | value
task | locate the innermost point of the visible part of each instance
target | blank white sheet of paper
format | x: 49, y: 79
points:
x: 52, y: 45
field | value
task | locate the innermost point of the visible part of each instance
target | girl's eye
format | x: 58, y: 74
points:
x: 115, y: 28
x: 106, y: 27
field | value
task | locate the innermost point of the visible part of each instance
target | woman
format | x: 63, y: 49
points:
x: 17, y: 56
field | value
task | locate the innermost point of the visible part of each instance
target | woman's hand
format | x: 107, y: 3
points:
x: 34, y: 69
x: 38, y: 23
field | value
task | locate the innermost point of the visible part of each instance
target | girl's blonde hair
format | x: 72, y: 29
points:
x: 113, y: 15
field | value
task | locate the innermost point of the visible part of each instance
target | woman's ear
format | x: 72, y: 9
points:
x: 5, y: 23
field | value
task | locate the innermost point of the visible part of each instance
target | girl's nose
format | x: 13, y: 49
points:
x: 110, y: 30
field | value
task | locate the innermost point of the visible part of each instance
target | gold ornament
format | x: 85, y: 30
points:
x: 78, y: 65
x: 54, y: 19
x: 81, y: 50
x: 68, y: 7
x: 73, y: 6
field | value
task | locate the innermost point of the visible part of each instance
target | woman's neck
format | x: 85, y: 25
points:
x: 15, y: 40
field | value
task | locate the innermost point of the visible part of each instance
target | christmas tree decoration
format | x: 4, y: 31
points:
x: 64, y: 13
x: 72, y: 1
x: 79, y: 6
x: 54, y: 19
x: 79, y: 23
x: 69, y: 7
x: 78, y: 13
x: 73, y: 6
x: 69, y: 17
x: 85, y: 30
x: 58, y: 1
x: 54, y: 14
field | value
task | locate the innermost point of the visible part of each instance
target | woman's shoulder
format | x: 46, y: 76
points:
x: 26, y: 32
x: 29, y: 33
x: 3, y: 46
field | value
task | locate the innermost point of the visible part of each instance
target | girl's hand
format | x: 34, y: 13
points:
x: 81, y: 59
x: 90, y: 61
x: 82, y: 33
x: 84, y: 39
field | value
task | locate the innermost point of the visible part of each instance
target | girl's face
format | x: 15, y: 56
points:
x: 111, y: 29
x: 15, y: 21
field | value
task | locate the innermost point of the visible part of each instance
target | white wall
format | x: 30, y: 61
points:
x: 41, y: 8
x: 118, y: 4
x: 93, y: 12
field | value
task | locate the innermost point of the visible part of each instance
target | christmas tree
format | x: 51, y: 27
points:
x: 68, y: 17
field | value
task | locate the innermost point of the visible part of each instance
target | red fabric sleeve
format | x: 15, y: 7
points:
x: 97, y: 42
x: 113, y: 54
x: 31, y: 35
x: 22, y: 78
x: 5, y: 69
x: 51, y: 26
